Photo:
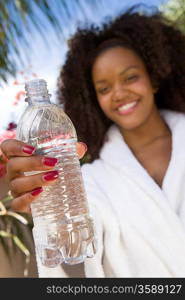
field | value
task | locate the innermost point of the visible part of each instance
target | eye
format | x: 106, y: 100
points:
x: 131, y: 78
x: 103, y: 90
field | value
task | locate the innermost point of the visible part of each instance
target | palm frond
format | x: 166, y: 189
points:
x: 19, y: 17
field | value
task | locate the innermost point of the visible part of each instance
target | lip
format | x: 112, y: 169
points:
x: 124, y: 103
x: 129, y: 110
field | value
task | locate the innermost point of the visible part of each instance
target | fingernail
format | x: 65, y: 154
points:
x: 28, y: 149
x: 84, y: 146
x: 37, y: 191
x: 50, y: 161
x: 50, y: 176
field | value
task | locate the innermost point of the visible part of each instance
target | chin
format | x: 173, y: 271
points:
x: 133, y: 121
x: 130, y: 124
x: 129, y: 127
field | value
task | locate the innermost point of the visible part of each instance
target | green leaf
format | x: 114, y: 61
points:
x: 18, y: 14
x: 16, y: 240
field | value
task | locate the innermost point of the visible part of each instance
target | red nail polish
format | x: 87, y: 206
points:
x: 51, y: 175
x: 37, y: 191
x: 28, y: 149
x: 50, y: 161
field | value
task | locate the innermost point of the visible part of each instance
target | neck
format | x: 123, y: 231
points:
x: 153, y: 128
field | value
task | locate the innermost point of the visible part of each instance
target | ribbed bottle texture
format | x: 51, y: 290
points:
x: 63, y: 230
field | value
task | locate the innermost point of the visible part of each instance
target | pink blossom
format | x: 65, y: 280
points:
x: 15, y: 82
x: 18, y: 97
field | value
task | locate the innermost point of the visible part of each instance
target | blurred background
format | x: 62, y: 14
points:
x: 34, y: 37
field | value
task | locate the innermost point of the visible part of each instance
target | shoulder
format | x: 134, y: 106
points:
x: 90, y: 173
x: 173, y: 118
x: 93, y: 173
x: 89, y: 168
x: 95, y: 187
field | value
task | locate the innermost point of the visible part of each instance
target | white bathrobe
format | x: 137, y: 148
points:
x: 140, y: 227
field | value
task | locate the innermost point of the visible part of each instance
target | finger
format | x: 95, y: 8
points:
x: 22, y: 203
x: 25, y: 184
x: 11, y: 148
x: 17, y: 165
x: 81, y: 149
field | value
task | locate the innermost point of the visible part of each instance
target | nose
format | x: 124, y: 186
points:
x: 119, y: 93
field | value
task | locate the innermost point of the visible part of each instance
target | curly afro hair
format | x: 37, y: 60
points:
x: 159, y: 44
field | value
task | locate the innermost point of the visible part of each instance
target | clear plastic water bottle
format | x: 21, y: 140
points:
x: 63, y: 230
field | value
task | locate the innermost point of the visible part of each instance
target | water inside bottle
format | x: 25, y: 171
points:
x: 62, y: 208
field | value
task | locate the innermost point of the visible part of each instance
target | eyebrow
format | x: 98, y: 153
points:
x: 123, y: 72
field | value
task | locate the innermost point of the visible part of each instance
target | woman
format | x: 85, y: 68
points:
x: 126, y: 82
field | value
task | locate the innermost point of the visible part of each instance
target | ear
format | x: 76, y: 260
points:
x: 155, y: 90
x: 155, y: 87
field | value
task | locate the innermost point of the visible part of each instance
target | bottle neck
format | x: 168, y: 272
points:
x: 36, y: 100
x: 37, y: 92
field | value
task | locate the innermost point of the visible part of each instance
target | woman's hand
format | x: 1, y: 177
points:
x: 21, y: 159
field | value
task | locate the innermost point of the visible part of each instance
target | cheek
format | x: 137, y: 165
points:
x: 146, y: 87
x: 103, y: 103
x: 146, y: 92
x: 141, y: 87
x: 105, y: 107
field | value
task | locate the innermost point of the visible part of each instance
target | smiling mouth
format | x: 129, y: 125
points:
x: 127, y: 108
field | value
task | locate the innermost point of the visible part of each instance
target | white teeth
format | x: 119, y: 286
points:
x: 127, y: 106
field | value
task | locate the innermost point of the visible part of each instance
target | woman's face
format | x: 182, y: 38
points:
x: 123, y: 87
